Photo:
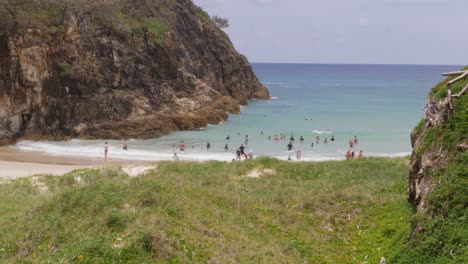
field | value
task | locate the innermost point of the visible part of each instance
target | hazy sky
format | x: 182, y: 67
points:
x: 347, y: 31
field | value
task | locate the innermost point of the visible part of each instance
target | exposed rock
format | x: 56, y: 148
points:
x: 89, y: 82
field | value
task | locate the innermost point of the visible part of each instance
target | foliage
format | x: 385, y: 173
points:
x: 327, y: 212
x: 220, y: 22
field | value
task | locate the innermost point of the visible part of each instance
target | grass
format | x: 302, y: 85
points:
x: 328, y: 212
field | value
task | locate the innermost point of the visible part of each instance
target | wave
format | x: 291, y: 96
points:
x: 322, y: 132
x: 274, y: 98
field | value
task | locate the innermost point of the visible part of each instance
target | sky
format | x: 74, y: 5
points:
x: 347, y: 31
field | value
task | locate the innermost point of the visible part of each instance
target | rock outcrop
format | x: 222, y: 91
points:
x: 148, y: 68
x: 438, y: 171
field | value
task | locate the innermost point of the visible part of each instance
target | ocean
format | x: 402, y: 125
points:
x: 379, y: 104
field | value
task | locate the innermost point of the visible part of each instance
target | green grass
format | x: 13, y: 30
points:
x: 444, y: 236
x: 328, y: 212
x: 139, y: 25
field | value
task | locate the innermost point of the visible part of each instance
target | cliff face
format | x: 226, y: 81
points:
x: 438, y: 178
x: 138, y: 69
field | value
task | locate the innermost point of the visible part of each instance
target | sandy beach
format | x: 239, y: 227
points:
x: 16, y: 164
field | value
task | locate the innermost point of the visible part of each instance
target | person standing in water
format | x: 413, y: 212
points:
x: 106, y: 151
x: 228, y: 138
x: 226, y: 147
x: 299, y: 153
x: 125, y: 144
x: 242, y: 150
x: 360, y: 155
x: 332, y: 138
x: 246, y: 140
x: 312, y: 145
x: 291, y: 138
x: 301, y: 139
x: 355, y: 140
x: 325, y: 141
x: 290, y: 146
x: 182, y: 146
x: 208, y: 146
x: 317, y: 140
x: 351, y: 143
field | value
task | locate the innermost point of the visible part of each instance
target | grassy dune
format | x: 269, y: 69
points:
x: 328, y: 212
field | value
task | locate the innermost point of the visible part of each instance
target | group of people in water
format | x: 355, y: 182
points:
x: 241, y: 150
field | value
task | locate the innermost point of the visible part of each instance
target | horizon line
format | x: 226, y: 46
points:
x: 339, y: 63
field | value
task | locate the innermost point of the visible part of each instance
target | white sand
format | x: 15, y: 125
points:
x: 13, y: 169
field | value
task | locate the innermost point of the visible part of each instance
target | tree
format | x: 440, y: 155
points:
x: 220, y: 22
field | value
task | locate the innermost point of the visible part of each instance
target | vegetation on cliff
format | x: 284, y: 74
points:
x: 326, y: 212
x: 82, y: 68
x: 439, y: 182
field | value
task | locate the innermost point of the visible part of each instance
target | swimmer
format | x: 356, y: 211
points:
x: 242, y: 148
x: 332, y: 138
x: 325, y: 141
x: 291, y: 138
x: 208, y: 145
x: 312, y: 145
x: 351, y: 143
x: 228, y: 138
x: 269, y: 137
x: 317, y: 140
x: 348, y: 154
x: 301, y: 139
x: 226, y: 147
x: 290, y: 146
x: 355, y: 140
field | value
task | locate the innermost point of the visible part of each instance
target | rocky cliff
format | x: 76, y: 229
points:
x: 438, y: 178
x: 112, y: 69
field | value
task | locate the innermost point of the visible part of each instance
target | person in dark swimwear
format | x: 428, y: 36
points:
x: 106, y: 150
x: 182, y: 146
x: 301, y: 139
x: 332, y: 138
x: 290, y: 146
x: 312, y: 145
x: 125, y: 144
x: 208, y: 145
x: 352, y: 155
x: 291, y: 138
x: 238, y: 154
x: 228, y: 138
x: 226, y: 147
x: 242, y: 150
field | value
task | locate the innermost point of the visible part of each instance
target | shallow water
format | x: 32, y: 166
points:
x: 380, y: 104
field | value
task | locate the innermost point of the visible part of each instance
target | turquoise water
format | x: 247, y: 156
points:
x: 380, y: 104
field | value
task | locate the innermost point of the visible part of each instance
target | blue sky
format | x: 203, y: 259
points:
x: 347, y: 31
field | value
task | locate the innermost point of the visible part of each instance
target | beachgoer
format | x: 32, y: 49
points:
x: 325, y: 141
x: 317, y: 140
x: 175, y: 157
x: 106, y: 150
x: 226, y: 147
x: 250, y: 154
x: 360, y: 155
x: 355, y: 140
x: 348, y: 154
x: 261, y: 133
x: 246, y: 140
x: 301, y: 139
x: 351, y: 143
x: 182, y: 146
x: 242, y: 149
x: 332, y: 138
x: 312, y: 145
x: 352, y: 155
x: 299, y: 153
x: 228, y: 138
x: 269, y: 137
x: 208, y: 146
x: 291, y: 138
x: 125, y: 144
x: 238, y: 154
x: 290, y: 146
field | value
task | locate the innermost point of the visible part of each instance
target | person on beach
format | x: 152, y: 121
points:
x: 298, y: 153
x: 246, y: 140
x: 208, y: 146
x: 276, y: 138
x: 106, y: 150
x: 228, y: 138
x: 226, y: 147
x: 291, y: 138
x: 332, y: 138
x: 238, y: 154
x: 290, y: 146
x: 125, y: 144
x: 360, y: 155
x: 355, y: 140
x: 348, y: 154
x: 175, y: 157
x: 352, y: 155
x: 242, y: 150
x: 261, y: 133
x: 351, y: 143
x: 301, y: 139
x: 317, y: 140
x: 312, y: 145
x: 182, y: 146
x: 325, y: 141
x: 250, y: 154
x: 269, y: 137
